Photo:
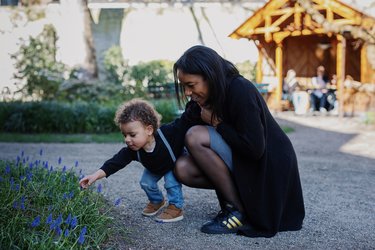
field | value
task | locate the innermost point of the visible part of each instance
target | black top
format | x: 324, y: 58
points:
x: 265, y: 165
x: 265, y: 168
x: 159, y: 161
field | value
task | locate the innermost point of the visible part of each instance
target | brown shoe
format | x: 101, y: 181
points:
x: 153, y: 208
x: 170, y: 214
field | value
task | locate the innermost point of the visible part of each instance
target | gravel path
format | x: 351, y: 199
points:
x: 337, y: 167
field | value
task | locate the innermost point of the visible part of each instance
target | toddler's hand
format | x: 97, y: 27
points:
x: 86, y: 181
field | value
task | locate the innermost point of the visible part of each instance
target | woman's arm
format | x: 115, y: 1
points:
x: 244, y: 129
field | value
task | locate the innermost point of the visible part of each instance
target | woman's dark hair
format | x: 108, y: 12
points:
x: 206, y: 62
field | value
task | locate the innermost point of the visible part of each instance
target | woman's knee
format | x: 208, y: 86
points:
x: 195, y: 136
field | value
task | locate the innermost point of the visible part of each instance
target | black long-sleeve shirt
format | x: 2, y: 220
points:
x: 159, y: 161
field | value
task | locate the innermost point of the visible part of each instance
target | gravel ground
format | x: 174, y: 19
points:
x: 337, y: 167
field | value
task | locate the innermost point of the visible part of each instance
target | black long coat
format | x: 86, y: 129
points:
x: 265, y: 164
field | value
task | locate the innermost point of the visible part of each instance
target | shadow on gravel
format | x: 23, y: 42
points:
x: 338, y: 191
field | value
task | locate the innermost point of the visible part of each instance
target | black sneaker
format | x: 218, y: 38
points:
x: 219, y: 217
x: 228, y: 221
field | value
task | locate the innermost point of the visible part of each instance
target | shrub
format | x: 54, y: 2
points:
x: 38, y: 117
x: 38, y: 72
x: 59, y: 117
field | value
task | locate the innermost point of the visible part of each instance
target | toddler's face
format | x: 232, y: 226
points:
x: 136, y: 134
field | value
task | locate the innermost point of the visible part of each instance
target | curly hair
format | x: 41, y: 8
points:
x: 138, y: 110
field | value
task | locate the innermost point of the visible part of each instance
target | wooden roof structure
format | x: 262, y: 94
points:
x: 303, y: 34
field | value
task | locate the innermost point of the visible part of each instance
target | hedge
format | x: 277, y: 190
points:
x: 58, y: 117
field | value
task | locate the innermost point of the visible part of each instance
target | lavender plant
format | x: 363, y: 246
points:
x: 43, y: 207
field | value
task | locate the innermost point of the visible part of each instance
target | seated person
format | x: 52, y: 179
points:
x: 318, y: 95
x: 290, y: 84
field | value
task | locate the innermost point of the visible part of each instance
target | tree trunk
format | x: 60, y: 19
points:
x: 90, y: 64
x: 200, y: 37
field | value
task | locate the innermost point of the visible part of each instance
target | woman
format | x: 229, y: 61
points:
x: 241, y: 152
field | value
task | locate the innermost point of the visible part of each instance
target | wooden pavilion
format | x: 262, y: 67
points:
x: 303, y: 34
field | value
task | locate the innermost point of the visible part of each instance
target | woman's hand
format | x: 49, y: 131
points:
x: 86, y: 181
x: 206, y: 115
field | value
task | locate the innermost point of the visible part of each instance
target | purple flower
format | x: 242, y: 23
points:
x: 51, y: 169
x: 99, y: 189
x: 81, y: 238
x: 71, y: 194
x: 22, y: 203
x: 36, y: 222
x: 59, y: 219
x: 64, y: 169
x: 31, y: 165
x: 76, y: 164
x: 29, y: 175
x: 59, y: 160
x: 74, y: 222
x: 7, y: 169
x: 22, y: 153
x: 49, y: 219
x: 15, y: 204
x: 69, y: 219
x: 41, y: 152
x: 58, y: 231
x: 117, y: 202
x: 66, y: 232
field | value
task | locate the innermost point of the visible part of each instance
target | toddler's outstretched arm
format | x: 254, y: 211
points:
x: 86, y: 181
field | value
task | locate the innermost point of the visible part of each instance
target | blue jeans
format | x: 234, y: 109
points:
x: 149, y: 183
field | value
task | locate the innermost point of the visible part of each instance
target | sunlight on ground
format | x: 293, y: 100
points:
x: 363, y: 142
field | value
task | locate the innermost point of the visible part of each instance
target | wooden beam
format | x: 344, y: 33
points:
x: 279, y: 74
x: 267, y: 35
x: 264, y: 30
x: 340, y: 71
x: 282, y: 19
x: 259, y: 73
x: 364, y: 64
x: 297, y: 16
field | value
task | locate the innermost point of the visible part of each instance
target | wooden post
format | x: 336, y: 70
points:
x: 364, y: 64
x: 259, y: 74
x: 279, y: 74
x: 340, y: 64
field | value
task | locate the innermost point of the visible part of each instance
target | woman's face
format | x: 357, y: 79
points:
x: 194, y: 86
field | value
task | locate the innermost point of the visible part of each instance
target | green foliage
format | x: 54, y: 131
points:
x: 51, y: 116
x: 115, y: 66
x: 150, y: 73
x: 167, y: 108
x: 44, y: 208
x: 107, y: 93
x: 247, y: 70
x: 58, y: 117
x: 38, y: 72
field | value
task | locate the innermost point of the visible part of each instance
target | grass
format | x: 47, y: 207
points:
x: 287, y: 129
x: 44, y: 208
x: 62, y: 138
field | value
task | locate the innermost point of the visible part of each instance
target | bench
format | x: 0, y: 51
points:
x: 263, y: 89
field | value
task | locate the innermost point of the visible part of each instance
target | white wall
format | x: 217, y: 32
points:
x: 145, y: 34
